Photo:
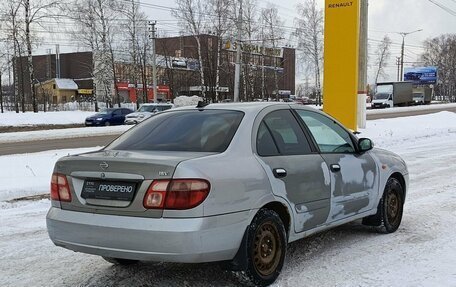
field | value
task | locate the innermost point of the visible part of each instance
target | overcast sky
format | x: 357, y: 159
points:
x: 385, y: 17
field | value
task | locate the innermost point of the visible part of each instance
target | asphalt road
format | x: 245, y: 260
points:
x: 42, y: 145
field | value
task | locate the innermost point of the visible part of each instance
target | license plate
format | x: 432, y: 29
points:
x: 111, y: 190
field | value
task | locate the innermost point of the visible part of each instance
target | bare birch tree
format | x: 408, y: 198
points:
x: 441, y: 52
x: 191, y: 13
x: 34, y: 11
x: 220, y: 24
x: 11, y: 10
x: 309, y: 33
x: 138, y: 46
x: 95, y: 22
x: 383, y: 55
x: 272, y: 36
x: 250, y: 32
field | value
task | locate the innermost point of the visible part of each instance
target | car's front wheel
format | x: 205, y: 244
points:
x: 390, y: 209
x: 266, y: 248
x: 120, y: 261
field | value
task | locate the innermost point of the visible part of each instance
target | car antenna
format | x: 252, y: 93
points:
x: 202, y: 104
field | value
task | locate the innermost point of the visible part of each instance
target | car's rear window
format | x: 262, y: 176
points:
x: 194, y: 130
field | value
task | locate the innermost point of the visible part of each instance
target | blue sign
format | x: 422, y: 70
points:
x: 421, y: 75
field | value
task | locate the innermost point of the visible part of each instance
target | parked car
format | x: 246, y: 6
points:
x: 107, y: 117
x: 146, y: 111
x: 224, y: 182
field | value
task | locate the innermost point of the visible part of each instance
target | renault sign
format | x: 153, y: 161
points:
x: 340, y: 89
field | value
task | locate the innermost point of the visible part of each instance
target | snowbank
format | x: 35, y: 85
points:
x: 183, y: 101
x: 48, y: 118
x: 406, y: 131
x: 410, y: 109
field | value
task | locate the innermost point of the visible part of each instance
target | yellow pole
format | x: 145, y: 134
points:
x: 340, y: 85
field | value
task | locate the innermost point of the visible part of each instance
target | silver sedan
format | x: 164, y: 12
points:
x: 223, y: 182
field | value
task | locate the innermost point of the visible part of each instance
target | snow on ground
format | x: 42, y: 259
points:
x: 29, y: 174
x: 421, y: 253
x: 406, y: 131
x: 48, y: 118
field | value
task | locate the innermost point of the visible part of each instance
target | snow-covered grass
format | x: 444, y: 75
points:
x: 41, y: 118
x: 411, y: 108
x: 421, y: 253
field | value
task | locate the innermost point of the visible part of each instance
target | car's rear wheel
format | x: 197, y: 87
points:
x: 390, y: 209
x: 120, y: 261
x: 266, y: 248
x: 107, y: 123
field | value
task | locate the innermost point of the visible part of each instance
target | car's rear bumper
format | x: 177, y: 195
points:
x: 94, y: 123
x: 187, y: 240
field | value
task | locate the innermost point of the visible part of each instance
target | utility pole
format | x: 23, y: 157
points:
x: 237, y: 71
x: 362, y: 63
x: 57, y: 61
x: 404, y: 34
x: 398, y: 64
x: 154, y: 62
x: 1, y: 91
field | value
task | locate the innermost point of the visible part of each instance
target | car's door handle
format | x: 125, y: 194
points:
x: 335, y: 167
x: 279, y: 172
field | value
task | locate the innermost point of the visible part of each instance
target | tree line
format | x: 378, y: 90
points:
x: 117, y: 31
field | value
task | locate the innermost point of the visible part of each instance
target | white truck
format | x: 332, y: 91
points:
x: 392, y: 94
x: 422, y: 95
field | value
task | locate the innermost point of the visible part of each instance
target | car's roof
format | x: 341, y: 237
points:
x: 246, y: 107
x: 157, y: 104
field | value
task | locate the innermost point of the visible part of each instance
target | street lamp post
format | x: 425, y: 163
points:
x: 403, y: 34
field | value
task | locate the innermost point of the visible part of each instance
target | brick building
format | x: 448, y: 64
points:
x: 180, y: 56
x: 267, y: 72
x: 75, y: 66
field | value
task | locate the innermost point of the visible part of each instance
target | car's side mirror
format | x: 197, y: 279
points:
x: 365, y: 144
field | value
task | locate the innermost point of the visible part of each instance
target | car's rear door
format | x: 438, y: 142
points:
x: 354, y: 176
x: 297, y: 172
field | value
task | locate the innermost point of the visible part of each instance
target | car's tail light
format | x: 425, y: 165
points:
x: 176, y: 193
x: 60, y: 190
x: 155, y: 195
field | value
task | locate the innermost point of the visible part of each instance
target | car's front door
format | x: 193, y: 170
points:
x: 354, y: 176
x: 297, y: 172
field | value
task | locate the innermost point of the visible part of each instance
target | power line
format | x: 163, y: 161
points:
x: 443, y: 7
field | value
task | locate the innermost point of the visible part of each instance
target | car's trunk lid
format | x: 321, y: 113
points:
x: 117, y: 172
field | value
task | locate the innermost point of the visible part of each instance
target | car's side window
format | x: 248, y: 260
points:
x: 265, y: 142
x: 280, y: 134
x: 329, y: 136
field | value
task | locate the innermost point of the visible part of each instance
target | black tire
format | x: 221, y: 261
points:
x: 107, y: 124
x: 120, y: 261
x: 390, y: 208
x: 266, y: 248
